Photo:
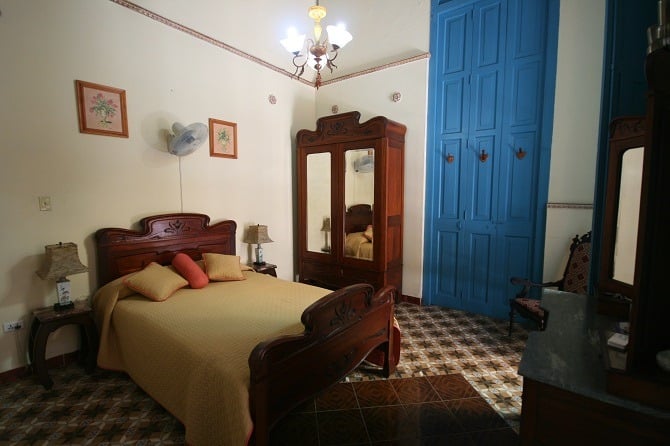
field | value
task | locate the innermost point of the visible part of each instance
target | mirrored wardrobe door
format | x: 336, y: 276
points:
x: 359, y: 192
x: 318, y: 218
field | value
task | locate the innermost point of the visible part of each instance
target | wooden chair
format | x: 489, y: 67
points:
x: 574, y: 280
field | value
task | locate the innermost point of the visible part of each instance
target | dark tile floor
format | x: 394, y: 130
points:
x: 433, y: 410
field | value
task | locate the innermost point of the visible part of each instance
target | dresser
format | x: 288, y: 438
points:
x: 565, y: 398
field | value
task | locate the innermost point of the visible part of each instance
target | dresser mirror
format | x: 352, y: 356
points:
x: 359, y: 190
x: 318, y: 193
x: 622, y: 207
x: 625, y: 239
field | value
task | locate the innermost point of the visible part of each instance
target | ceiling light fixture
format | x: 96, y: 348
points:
x: 318, y: 53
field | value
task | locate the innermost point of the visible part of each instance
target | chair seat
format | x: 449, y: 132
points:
x: 531, y: 305
x: 530, y: 309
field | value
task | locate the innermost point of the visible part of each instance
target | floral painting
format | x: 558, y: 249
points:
x: 102, y: 109
x: 222, y: 138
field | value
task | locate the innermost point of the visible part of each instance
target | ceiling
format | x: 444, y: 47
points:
x: 385, y: 31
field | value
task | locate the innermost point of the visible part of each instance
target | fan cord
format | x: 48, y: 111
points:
x: 181, y: 190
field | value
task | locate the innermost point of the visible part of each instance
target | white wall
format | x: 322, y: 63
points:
x: 99, y: 181
x: 576, y: 127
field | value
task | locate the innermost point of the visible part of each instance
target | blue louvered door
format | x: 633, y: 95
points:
x: 487, y: 79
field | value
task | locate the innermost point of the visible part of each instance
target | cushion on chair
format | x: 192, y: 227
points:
x: 532, y: 305
x: 577, y: 273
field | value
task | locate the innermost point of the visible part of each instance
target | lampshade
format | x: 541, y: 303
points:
x: 257, y: 234
x: 338, y: 36
x: 293, y: 41
x: 326, y: 224
x: 61, y: 260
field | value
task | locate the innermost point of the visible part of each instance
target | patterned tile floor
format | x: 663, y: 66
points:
x: 107, y: 408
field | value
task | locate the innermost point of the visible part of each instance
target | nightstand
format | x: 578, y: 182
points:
x: 45, y: 321
x: 265, y: 268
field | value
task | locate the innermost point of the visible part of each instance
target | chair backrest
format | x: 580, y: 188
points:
x: 576, y: 275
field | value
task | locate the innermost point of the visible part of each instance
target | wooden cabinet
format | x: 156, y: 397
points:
x: 350, y: 201
x: 646, y: 282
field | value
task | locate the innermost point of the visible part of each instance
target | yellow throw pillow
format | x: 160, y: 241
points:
x: 155, y: 282
x: 368, y: 233
x: 222, y: 267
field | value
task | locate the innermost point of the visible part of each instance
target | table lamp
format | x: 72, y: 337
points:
x: 61, y: 261
x: 258, y: 234
x: 326, y: 229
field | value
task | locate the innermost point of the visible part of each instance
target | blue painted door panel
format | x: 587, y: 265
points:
x: 486, y: 103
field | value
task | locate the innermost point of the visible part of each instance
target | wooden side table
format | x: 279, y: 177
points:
x: 45, y: 321
x: 265, y: 268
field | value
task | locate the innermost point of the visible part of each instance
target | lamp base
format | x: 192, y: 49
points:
x: 259, y: 256
x: 63, y: 307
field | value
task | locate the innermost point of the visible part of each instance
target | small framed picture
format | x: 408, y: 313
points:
x: 222, y: 138
x: 102, y: 109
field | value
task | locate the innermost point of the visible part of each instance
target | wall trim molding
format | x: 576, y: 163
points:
x: 410, y: 299
x: 397, y: 63
x: 204, y: 37
x: 553, y: 205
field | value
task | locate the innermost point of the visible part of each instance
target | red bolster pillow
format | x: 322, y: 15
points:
x: 190, y: 270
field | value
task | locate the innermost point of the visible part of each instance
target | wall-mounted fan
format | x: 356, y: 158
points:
x: 187, y: 139
x: 365, y: 163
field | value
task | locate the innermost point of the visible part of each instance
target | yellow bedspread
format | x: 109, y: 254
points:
x: 357, y: 245
x: 190, y: 352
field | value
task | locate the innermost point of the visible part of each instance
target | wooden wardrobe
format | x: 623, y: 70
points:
x: 350, y: 201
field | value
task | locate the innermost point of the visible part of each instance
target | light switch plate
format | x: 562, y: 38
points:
x: 45, y: 203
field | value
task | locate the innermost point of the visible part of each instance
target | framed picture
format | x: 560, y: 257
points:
x: 222, y: 138
x: 102, y: 109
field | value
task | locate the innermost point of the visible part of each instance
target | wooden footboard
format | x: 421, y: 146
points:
x: 341, y: 329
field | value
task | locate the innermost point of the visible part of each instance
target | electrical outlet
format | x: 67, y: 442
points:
x: 12, y: 326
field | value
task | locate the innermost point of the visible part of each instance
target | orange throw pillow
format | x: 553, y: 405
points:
x: 190, y: 270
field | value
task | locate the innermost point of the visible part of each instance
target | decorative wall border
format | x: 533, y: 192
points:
x: 198, y: 35
x: 569, y: 206
x: 378, y: 68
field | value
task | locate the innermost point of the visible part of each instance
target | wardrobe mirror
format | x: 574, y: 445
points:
x: 318, y: 202
x: 622, y: 207
x: 359, y: 191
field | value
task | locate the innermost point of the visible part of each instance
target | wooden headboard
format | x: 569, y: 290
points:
x: 357, y: 218
x: 161, y: 237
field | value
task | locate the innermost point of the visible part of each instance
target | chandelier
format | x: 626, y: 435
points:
x: 316, y: 53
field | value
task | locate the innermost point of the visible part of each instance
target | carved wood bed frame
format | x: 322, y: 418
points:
x: 357, y: 218
x: 341, y: 328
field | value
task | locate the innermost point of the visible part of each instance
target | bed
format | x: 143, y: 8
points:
x: 358, y: 240
x: 229, y: 359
